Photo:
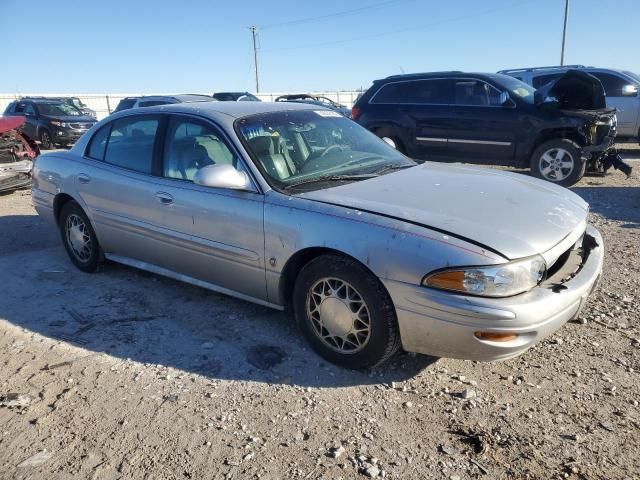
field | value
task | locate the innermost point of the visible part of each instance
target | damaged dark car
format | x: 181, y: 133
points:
x: 560, y: 131
x: 17, y: 153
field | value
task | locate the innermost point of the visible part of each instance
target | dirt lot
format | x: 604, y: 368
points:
x: 126, y: 375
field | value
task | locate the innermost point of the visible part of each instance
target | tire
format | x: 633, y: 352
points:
x: 46, y: 143
x: 79, y: 238
x: 559, y: 161
x: 389, y: 137
x: 333, y: 295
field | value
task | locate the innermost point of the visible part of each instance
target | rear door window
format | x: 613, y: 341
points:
x: 131, y: 142
x: 98, y: 143
x: 153, y: 103
x: 424, y: 92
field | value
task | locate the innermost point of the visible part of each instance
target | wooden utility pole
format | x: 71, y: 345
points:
x: 254, y: 29
x: 564, y: 30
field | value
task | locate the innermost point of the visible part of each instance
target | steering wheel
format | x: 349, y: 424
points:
x: 329, y: 149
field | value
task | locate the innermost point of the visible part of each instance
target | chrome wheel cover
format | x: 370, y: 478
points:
x: 78, y: 237
x: 338, y: 315
x: 556, y: 164
x: 389, y: 141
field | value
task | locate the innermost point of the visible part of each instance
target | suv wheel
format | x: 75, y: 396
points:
x: 559, y: 161
x: 79, y: 238
x: 45, y: 140
x: 345, y: 313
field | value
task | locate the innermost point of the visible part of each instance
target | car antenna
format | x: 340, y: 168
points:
x: 401, y: 69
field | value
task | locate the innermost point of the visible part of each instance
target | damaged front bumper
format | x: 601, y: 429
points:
x: 447, y: 325
x: 15, y: 175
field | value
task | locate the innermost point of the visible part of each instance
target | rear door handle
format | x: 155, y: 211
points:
x: 164, y: 198
x: 83, y: 178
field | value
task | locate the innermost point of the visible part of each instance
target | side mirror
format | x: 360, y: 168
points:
x: 222, y: 176
x: 505, y: 99
x: 630, y: 91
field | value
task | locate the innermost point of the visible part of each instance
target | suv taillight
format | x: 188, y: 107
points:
x: 355, y: 113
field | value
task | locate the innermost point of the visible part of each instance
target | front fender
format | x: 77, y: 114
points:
x: 391, y: 249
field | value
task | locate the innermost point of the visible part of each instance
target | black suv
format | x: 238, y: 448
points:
x: 495, y: 119
x: 50, y: 121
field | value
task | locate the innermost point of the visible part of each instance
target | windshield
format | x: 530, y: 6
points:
x: 58, y: 109
x: 519, y: 89
x: 313, y: 146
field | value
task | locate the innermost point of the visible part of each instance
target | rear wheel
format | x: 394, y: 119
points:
x: 79, y: 238
x: 559, y: 161
x: 345, y: 313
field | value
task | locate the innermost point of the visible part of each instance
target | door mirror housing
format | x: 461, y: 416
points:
x: 505, y: 99
x: 222, y: 176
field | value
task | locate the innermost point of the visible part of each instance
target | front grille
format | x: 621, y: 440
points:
x: 80, y: 126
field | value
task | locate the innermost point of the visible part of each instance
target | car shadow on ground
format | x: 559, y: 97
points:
x: 614, y: 203
x: 132, y: 314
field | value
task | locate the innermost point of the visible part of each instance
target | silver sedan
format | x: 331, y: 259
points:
x: 295, y: 206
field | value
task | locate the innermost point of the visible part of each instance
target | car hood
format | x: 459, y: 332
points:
x: 72, y: 118
x: 575, y: 90
x: 512, y: 214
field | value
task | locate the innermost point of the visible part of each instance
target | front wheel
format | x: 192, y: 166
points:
x: 345, y: 313
x: 45, y: 140
x: 559, y: 161
x: 79, y: 238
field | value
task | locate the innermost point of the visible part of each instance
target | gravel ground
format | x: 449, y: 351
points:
x: 126, y: 375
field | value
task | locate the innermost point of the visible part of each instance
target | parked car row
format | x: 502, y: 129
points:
x: 559, y: 131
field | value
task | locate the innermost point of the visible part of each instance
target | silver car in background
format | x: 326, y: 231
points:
x: 294, y: 205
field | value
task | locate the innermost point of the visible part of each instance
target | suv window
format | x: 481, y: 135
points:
x: 613, y: 85
x: 430, y: 92
x: 191, y: 145
x: 544, y: 79
x: 152, y: 103
x: 475, y: 92
x: 19, y: 108
x: 29, y: 109
x: 131, y: 142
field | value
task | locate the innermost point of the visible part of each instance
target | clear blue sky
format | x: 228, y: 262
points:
x: 144, y: 46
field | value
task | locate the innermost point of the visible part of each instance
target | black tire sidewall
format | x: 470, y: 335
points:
x: 384, y: 336
x: 579, y: 165
x: 91, y: 265
x: 42, y: 144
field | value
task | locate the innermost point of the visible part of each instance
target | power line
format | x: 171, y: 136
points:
x: 402, y: 30
x: 330, y: 15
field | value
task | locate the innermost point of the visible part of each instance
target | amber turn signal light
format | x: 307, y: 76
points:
x: 496, y: 336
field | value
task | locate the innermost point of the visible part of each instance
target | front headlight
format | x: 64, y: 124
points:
x: 493, y: 281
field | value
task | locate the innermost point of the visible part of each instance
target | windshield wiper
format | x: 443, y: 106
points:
x: 331, y: 178
x: 386, y: 168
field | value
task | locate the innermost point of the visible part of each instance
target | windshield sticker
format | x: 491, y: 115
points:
x: 327, y: 113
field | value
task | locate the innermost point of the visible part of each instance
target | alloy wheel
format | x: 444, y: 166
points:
x: 556, y: 164
x: 339, y: 315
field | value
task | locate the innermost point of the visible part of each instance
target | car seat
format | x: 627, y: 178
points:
x: 273, y: 156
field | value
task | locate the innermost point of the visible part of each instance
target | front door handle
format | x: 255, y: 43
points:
x: 164, y: 198
x: 83, y: 178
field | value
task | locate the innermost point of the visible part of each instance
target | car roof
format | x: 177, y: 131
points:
x: 424, y: 75
x: 189, y: 97
x: 228, y: 109
x: 50, y: 100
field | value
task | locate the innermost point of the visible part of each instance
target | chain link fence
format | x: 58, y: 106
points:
x: 104, y: 104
